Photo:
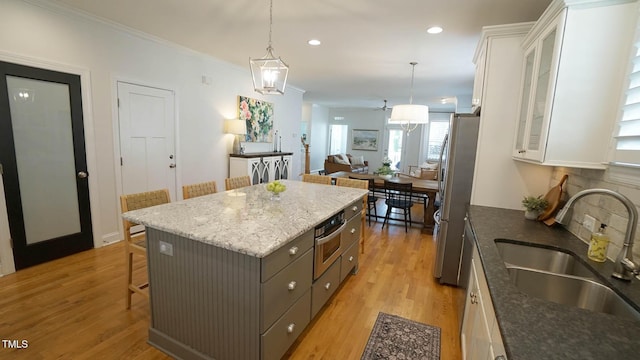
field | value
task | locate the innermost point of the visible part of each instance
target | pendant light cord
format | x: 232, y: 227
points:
x: 413, y: 70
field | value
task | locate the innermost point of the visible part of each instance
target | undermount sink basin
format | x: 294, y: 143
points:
x: 540, y: 258
x: 558, y: 276
x: 570, y: 290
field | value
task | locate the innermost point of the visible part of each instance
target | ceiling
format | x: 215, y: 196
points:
x: 366, y: 44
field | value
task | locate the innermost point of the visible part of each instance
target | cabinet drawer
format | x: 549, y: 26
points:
x: 285, y: 255
x: 284, y: 288
x: 351, y: 232
x: 354, y: 209
x: 324, y: 287
x: 275, y: 341
x: 348, y: 261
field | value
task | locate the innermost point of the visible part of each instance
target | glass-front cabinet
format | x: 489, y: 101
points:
x: 540, y: 69
x: 571, y: 82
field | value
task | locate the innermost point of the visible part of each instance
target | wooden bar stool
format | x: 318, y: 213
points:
x: 237, y: 182
x: 136, y: 243
x: 200, y: 189
x: 316, y: 179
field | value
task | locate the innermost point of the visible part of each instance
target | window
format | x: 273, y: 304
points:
x: 434, y: 135
x: 626, y: 152
x: 338, y: 139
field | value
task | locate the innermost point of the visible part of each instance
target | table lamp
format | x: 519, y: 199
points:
x: 236, y: 127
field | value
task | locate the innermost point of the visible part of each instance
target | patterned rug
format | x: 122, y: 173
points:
x: 396, y: 338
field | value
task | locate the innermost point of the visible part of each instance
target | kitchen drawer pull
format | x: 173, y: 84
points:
x: 353, y: 230
x: 500, y: 357
x: 354, y: 208
x: 290, y: 328
x: 293, y: 250
x: 292, y: 285
x: 327, y: 285
x: 350, y: 258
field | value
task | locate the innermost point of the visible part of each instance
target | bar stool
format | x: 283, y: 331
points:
x: 200, y: 189
x: 237, y: 182
x: 136, y: 243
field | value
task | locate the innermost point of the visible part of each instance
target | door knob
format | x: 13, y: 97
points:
x: 82, y: 174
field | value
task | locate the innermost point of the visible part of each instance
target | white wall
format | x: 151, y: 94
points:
x: 41, y: 32
x: 319, y: 136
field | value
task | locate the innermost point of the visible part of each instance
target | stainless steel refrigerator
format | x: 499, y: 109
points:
x: 457, y: 162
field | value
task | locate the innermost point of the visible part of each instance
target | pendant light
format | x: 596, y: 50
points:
x: 408, y: 116
x: 268, y: 72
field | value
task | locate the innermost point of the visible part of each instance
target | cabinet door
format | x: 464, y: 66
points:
x: 255, y: 172
x: 286, y: 166
x: 266, y: 169
x: 470, y: 312
x: 543, y: 91
x: 524, y: 102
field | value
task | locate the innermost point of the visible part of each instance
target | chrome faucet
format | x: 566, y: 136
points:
x: 624, y: 267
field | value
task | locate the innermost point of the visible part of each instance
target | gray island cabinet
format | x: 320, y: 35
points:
x: 232, y: 274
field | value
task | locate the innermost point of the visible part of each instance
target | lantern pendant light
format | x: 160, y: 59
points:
x: 269, y: 73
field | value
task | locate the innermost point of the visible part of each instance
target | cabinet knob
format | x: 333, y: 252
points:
x: 522, y: 151
x: 474, y: 298
x: 350, y: 258
x: 290, y: 328
x: 500, y: 357
x: 292, y: 285
x: 293, y: 250
x: 353, y: 230
x: 354, y: 208
x: 327, y: 285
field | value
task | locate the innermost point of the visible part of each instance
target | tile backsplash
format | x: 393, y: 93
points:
x: 605, y: 209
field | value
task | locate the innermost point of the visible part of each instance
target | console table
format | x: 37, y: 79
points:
x: 261, y: 167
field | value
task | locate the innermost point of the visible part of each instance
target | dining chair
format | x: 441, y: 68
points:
x: 135, y: 243
x: 359, y: 184
x: 200, y: 189
x: 398, y: 196
x: 316, y: 179
x: 237, y: 182
x: 372, y: 200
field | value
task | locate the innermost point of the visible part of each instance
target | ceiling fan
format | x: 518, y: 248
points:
x: 384, y: 107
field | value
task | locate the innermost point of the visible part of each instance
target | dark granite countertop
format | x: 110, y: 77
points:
x: 533, y: 328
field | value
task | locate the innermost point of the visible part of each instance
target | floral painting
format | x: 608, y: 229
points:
x: 259, y: 117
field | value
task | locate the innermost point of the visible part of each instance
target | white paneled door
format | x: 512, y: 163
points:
x: 147, y: 138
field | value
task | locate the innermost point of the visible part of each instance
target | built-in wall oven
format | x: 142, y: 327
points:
x: 328, y: 243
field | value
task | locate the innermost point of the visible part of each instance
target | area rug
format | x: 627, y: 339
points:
x: 396, y: 338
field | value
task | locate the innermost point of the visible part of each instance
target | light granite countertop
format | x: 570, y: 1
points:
x: 246, y: 220
x: 533, y: 328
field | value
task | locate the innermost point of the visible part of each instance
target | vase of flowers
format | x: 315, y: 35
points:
x: 385, y: 170
x: 534, y: 206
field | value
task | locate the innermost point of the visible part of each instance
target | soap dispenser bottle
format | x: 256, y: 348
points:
x: 598, y: 245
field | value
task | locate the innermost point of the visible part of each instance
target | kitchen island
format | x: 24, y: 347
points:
x: 231, y: 274
x: 533, y: 328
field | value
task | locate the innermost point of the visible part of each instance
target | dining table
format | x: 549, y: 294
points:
x: 420, y: 187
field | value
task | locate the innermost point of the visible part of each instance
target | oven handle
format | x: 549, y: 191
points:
x: 324, y: 239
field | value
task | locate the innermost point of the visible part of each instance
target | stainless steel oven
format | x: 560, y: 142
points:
x: 328, y: 243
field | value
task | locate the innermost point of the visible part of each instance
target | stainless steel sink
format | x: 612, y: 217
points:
x: 558, y: 276
x: 571, y: 290
x: 540, y: 258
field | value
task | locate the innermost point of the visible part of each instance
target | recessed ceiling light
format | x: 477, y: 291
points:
x: 314, y: 42
x: 434, y: 30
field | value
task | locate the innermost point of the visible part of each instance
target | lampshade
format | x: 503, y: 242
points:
x: 409, y: 113
x: 235, y: 126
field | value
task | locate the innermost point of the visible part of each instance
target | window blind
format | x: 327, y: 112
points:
x: 627, y: 140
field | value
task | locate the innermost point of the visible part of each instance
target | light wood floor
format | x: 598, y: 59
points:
x: 73, y: 308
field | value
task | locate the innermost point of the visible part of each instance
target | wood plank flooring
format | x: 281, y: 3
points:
x: 74, y: 308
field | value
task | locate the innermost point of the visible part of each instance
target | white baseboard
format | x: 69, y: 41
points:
x: 111, y: 238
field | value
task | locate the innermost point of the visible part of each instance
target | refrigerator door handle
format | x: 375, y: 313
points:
x: 442, y: 149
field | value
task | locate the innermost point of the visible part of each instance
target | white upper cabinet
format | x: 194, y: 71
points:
x: 573, y: 77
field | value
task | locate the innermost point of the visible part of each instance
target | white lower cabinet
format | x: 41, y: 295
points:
x: 480, y: 337
x: 261, y: 167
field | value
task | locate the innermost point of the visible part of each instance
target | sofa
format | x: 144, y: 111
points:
x: 345, y: 162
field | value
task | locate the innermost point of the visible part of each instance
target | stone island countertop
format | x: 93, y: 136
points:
x: 533, y: 328
x: 246, y: 220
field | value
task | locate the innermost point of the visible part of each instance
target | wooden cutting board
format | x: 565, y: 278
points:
x: 553, y: 196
